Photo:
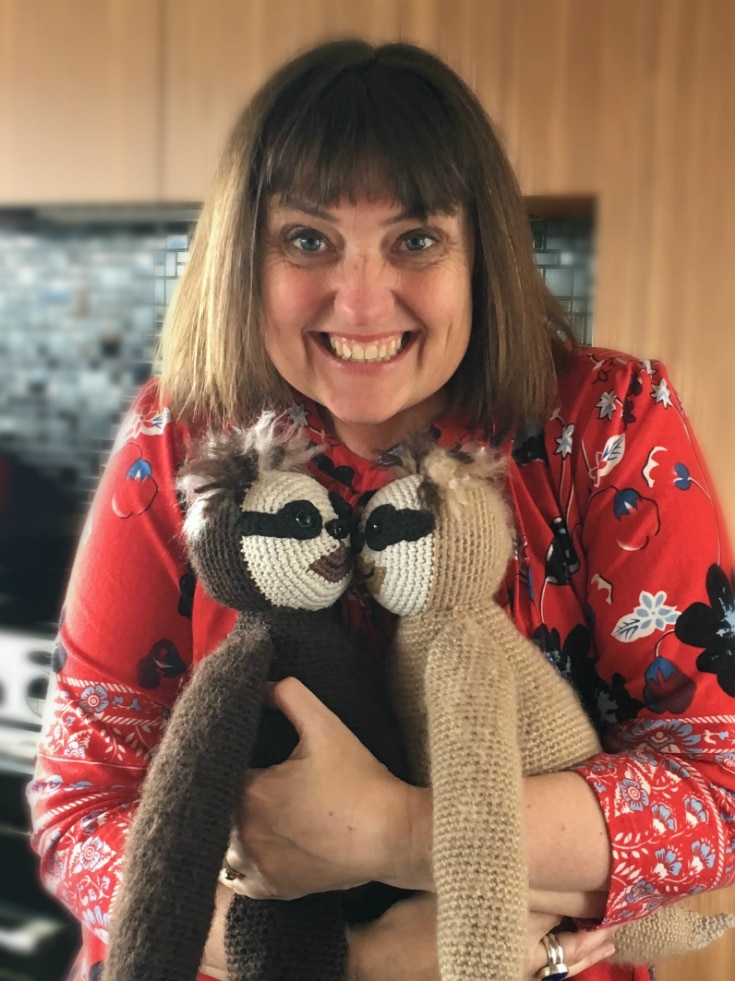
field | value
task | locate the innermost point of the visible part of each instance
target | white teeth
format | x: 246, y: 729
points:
x: 382, y: 351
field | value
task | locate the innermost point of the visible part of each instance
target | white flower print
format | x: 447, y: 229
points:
x: 297, y: 415
x: 661, y: 394
x: 651, y: 614
x: 90, y: 855
x: 564, y: 442
x: 607, y: 405
x: 153, y: 424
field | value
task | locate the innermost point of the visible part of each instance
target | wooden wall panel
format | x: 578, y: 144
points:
x: 79, y: 100
x: 216, y: 54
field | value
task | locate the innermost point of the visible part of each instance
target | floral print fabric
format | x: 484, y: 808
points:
x: 621, y: 576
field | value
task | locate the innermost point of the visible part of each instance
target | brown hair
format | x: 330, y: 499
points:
x: 348, y: 119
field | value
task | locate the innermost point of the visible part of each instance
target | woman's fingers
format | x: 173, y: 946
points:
x: 300, y: 705
x: 580, y: 950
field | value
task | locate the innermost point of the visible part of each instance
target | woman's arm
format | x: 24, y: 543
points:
x: 123, y: 651
x: 332, y: 817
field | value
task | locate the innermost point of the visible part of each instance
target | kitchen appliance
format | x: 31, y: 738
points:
x: 37, y: 938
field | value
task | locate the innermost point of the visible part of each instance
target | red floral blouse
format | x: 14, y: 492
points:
x: 621, y: 576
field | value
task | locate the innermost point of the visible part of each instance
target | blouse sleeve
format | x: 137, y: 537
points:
x: 662, y: 611
x: 122, y: 655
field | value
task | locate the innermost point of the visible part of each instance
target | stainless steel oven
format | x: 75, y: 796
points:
x: 37, y: 938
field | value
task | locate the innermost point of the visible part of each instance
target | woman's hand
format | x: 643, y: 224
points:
x: 581, y: 950
x: 400, y: 946
x: 330, y: 817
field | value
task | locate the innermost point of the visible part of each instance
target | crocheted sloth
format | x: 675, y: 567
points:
x: 480, y: 708
x: 271, y: 542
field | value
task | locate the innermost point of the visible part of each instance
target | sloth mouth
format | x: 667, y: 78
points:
x: 373, y: 573
x: 335, y: 565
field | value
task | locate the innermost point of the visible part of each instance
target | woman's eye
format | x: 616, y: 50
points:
x: 417, y: 241
x: 307, y: 240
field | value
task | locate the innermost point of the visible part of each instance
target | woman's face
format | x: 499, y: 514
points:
x: 367, y: 311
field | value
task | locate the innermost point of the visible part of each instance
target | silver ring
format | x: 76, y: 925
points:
x: 556, y: 969
x: 228, y: 873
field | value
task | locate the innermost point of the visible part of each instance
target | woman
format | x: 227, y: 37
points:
x: 364, y: 260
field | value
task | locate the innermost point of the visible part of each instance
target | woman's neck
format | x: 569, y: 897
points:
x: 368, y: 440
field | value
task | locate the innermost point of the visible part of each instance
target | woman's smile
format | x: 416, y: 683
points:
x: 366, y: 349
x: 368, y: 312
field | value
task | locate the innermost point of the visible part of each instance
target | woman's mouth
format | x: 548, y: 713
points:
x: 382, y: 349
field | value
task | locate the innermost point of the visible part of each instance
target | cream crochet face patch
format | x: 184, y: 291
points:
x: 398, y: 551
x: 294, y: 542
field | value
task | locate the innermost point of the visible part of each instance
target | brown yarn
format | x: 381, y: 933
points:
x: 218, y: 729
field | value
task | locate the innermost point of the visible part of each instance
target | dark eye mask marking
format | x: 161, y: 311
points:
x: 388, y: 525
x: 297, y: 519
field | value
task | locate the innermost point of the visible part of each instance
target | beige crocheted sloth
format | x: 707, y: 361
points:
x: 480, y: 708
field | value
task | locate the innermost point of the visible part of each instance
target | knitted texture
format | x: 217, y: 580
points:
x: 192, y: 793
x: 481, y: 708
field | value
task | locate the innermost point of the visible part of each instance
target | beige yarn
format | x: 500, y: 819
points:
x: 481, y: 708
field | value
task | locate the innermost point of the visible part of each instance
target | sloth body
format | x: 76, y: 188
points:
x: 480, y: 709
x: 271, y: 543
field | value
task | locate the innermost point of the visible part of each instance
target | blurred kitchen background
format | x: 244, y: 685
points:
x: 619, y: 116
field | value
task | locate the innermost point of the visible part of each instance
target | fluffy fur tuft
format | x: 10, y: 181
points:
x: 226, y: 464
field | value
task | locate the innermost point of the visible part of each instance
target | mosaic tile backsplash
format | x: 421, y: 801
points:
x: 80, y: 306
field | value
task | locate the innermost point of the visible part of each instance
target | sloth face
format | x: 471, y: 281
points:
x: 294, y: 539
x: 397, y: 547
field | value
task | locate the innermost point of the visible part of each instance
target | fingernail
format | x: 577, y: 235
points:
x: 608, y: 950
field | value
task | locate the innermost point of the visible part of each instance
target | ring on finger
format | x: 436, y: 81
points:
x: 555, y: 969
x: 228, y: 873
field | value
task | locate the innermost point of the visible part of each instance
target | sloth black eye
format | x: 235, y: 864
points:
x: 300, y: 519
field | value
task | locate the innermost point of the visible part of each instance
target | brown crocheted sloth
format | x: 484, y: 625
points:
x: 480, y: 709
x: 271, y: 542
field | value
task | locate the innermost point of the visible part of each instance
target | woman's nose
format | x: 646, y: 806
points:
x: 365, y: 291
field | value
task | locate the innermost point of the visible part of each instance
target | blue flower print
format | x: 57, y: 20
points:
x: 633, y: 794
x: 683, y: 479
x: 639, y: 891
x: 667, y: 689
x: 669, y: 863
x: 653, y: 612
x: 678, y: 733
x: 662, y: 816
x: 696, y: 814
x: 625, y: 501
x: 703, y: 854
x: 93, y: 699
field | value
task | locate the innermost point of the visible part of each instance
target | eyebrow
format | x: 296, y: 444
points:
x: 296, y: 204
